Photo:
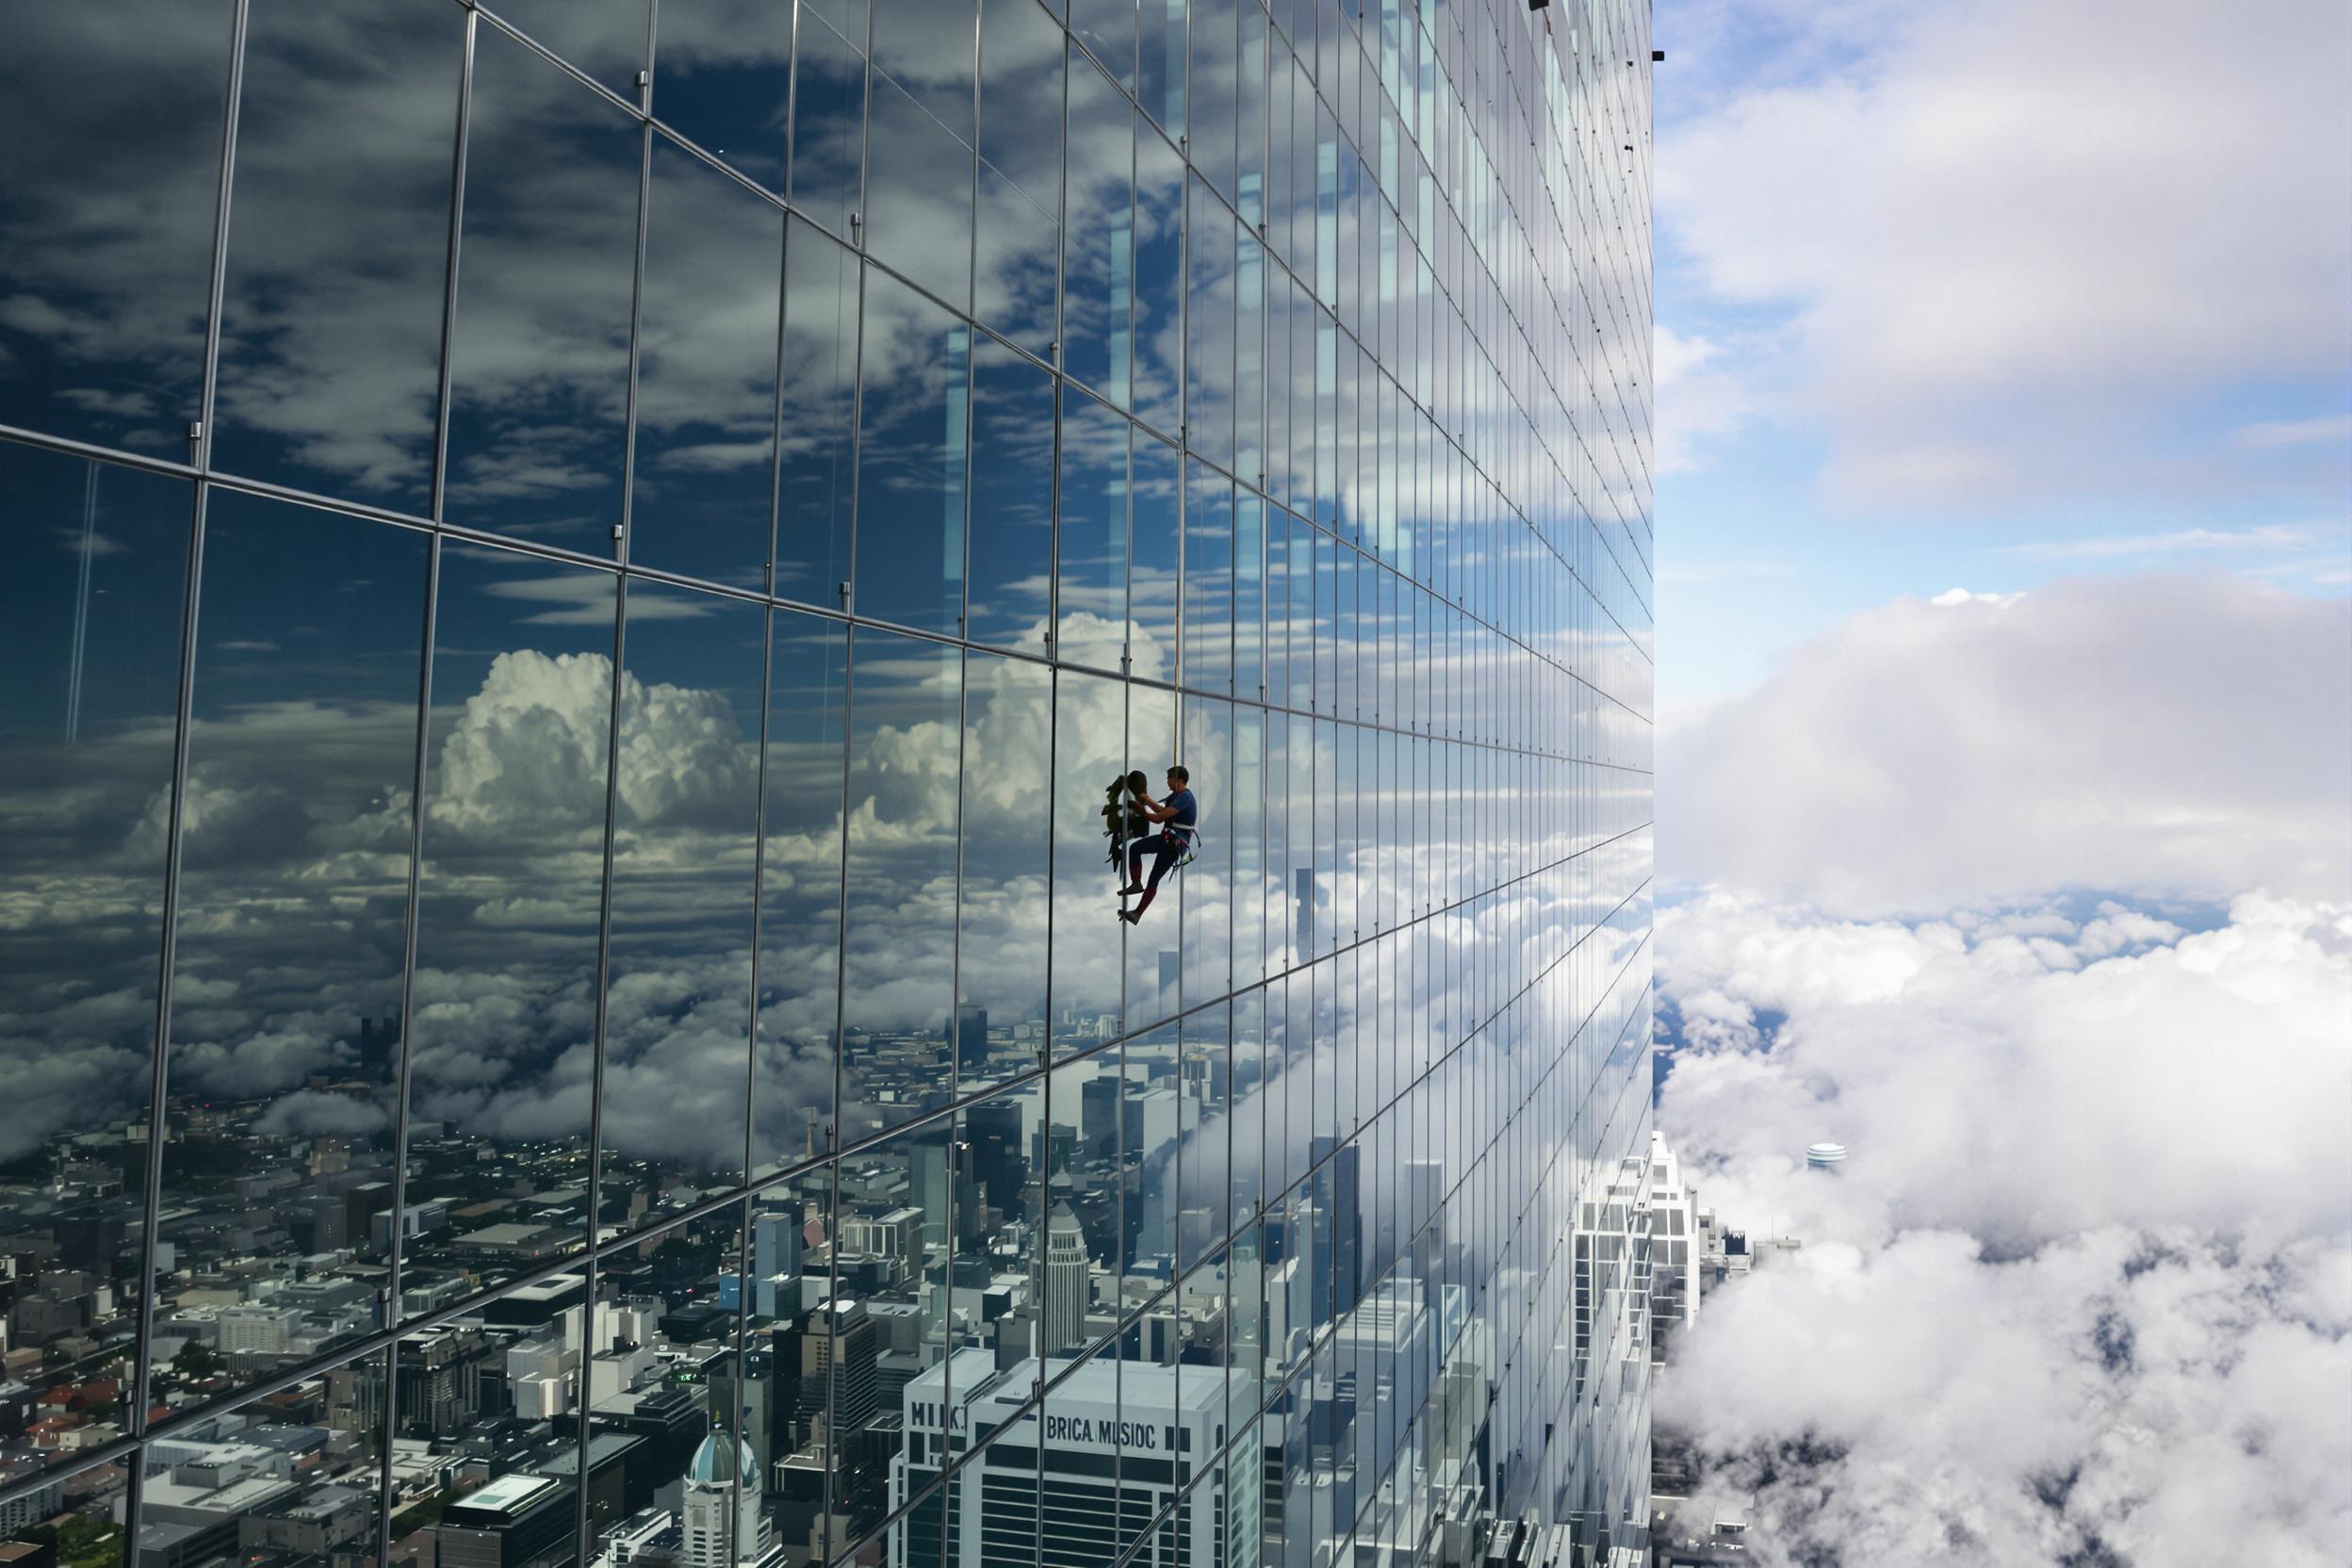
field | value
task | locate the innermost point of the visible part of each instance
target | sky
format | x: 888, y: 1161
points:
x: 2005, y: 771
x: 1985, y: 295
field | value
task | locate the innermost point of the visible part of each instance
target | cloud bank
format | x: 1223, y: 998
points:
x: 2183, y: 733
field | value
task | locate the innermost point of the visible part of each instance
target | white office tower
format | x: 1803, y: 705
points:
x: 710, y: 1494
x: 1676, y: 1244
x: 1065, y: 1280
x: 1119, y: 1446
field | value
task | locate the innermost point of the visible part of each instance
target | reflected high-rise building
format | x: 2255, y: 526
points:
x: 576, y: 585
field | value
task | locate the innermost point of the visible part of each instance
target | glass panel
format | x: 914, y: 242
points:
x: 1020, y: 237
x: 1012, y: 501
x: 904, y: 1204
x: 539, y: 364
x: 1154, y: 1118
x: 722, y: 79
x: 792, y: 1276
x: 1160, y: 78
x: 503, y: 1042
x: 999, y: 1027
x: 800, y: 911
x: 818, y: 419
x: 999, y: 1274
x: 1152, y: 940
x: 338, y: 250
x: 105, y: 338
x: 1091, y: 591
x: 296, y: 1477
x: 1204, y: 1203
x: 1079, y: 1491
x: 1157, y: 531
x: 1206, y: 885
x: 1208, y: 610
x: 1107, y: 28
x: 514, y: 1366
x: 669, y: 1455
x: 1099, y: 263
x: 1209, y: 330
x: 919, y: 183
x: 1216, y: 89
x: 912, y: 440
x: 905, y: 720
x: 1159, y: 374
x: 678, y: 989
x: 1089, y: 762
x: 1249, y: 596
x: 604, y: 38
x: 828, y: 119
x: 90, y: 631
x: 293, y: 901
x: 704, y: 471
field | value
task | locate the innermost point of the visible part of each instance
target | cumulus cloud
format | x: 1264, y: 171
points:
x: 2082, y: 1292
x: 2008, y: 268
x: 2174, y: 732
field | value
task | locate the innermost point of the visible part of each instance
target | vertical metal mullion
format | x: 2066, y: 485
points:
x: 621, y: 540
x: 167, y: 945
x: 456, y: 239
x: 209, y: 395
x: 402, y: 1071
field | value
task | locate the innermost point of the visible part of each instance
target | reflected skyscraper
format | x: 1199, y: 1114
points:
x: 576, y: 577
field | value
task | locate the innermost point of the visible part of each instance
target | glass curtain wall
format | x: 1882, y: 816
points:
x: 583, y: 582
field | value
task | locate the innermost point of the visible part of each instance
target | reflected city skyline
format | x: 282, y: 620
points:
x: 567, y: 722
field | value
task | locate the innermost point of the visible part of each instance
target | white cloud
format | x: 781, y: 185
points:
x: 2082, y: 1292
x: 2267, y: 537
x: 2296, y: 433
x: 1703, y: 395
x: 2016, y: 237
x: 2149, y: 732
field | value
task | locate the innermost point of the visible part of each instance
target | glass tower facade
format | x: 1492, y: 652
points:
x: 580, y: 580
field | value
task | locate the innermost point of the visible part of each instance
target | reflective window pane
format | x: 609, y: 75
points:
x: 298, y: 1475
x: 678, y: 969
x: 1017, y: 243
x: 800, y: 892
x: 1008, y: 778
x: 913, y: 440
x: 722, y: 80
x: 1156, y: 530
x: 91, y: 612
x: 828, y: 118
x: 1011, y: 597
x: 604, y: 38
x: 1099, y: 248
x: 1159, y: 352
x: 539, y: 364
x: 919, y: 146
x: 1090, y: 588
x: 817, y: 419
x: 1090, y: 831
x: 668, y: 1384
x: 906, y: 722
x: 705, y: 473
x: 331, y: 312
x: 105, y: 338
x: 293, y: 895
x: 511, y: 896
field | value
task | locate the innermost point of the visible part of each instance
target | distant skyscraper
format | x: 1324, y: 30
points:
x: 1339, y: 1252
x: 721, y: 1525
x: 1067, y: 1273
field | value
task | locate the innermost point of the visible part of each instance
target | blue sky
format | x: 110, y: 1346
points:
x: 1983, y: 295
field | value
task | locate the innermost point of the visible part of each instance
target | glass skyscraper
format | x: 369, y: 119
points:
x: 578, y: 576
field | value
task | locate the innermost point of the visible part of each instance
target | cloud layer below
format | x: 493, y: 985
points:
x: 2174, y: 732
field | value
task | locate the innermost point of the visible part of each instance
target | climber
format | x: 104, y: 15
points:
x: 1178, y: 817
